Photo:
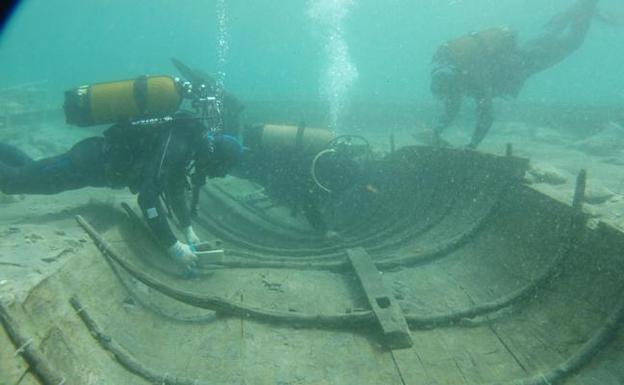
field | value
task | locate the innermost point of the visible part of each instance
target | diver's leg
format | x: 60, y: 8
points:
x: 7, y: 175
x: 13, y: 156
x: 485, y: 119
x: 452, y: 105
x: 81, y: 166
x: 562, y: 35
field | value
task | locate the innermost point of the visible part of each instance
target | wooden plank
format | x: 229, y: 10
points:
x: 428, y: 360
x: 453, y: 355
x: 608, y: 368
x: 530, y: 338
x: 389, y: 315
x: 273, y: 354
x: 457, y: 356
x: 480, y: 355
x: 12, y: 366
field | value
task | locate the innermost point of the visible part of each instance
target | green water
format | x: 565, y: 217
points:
x: 277, y: 50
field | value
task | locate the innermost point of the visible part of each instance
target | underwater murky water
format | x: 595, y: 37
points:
x: 417, y: 192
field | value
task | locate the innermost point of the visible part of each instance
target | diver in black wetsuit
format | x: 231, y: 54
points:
x: 490, y: 63
x: 151, y: 159
x: 334, y: 174
x: 301, y: 178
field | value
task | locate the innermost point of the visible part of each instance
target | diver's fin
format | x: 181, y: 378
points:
x: 207, y: 79
x: 193, y: 76
x: 231, y: 103
x: 184, y: 70
x: 610, y: 19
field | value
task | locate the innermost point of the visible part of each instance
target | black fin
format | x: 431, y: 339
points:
x: 610, y: 19
x: 193, y: 76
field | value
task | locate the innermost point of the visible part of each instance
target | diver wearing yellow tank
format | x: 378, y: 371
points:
x: 490, y: 63
x: 151, y: 148
x: 151, y: 160
x: 302, y: 167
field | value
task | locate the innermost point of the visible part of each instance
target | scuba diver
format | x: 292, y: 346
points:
x: 304, y: 168
x: 152, y: 156
x: 333, y: 172
x: 491, y: 63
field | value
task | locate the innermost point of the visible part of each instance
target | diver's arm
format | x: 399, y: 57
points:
x: 484, y: 121
x: 175, y: 184
x: 452, y: 105
x: 198, y: 180
x: 175, y: 190
x: 154, y: 213
x: 152, y: 208
x: 149, y: 201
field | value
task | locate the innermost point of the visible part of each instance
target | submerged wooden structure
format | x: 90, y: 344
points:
x: 452, y: 272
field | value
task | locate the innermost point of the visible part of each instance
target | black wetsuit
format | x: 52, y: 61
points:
x: 499, y: 75
x: 286, y: 176
x: 152, y: 160
x: 311, y: 207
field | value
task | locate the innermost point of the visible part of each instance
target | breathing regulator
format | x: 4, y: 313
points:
x: 343, y: 150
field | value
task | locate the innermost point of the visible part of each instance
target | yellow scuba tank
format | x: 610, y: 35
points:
x: 470, y: 49
x: 275, y: 137
x: 112, y: 102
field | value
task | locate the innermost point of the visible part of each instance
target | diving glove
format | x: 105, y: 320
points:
x: 190, y: 236
x: 183, y: 254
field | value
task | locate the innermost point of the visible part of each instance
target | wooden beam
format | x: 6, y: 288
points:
x: 388, y: 313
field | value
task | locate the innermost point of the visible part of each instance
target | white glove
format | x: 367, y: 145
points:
x: 183, y: 254
x: 191, y: 237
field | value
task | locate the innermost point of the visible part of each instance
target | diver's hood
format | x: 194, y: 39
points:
x: 218, y: 154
